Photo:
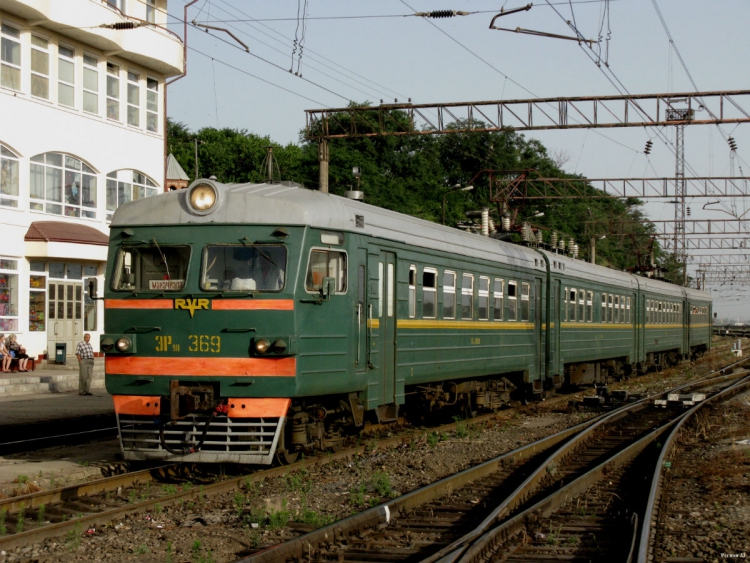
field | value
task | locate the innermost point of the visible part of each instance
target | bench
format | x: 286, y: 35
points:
x: 31, y: 366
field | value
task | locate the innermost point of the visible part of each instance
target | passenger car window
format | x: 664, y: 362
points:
x: 484, y: 299
x: 467, y: 296
x: 497, y: 299
x: 429, y: 293
x: 152, y: 267
x: 323, y: 264
x: 243, y: 268
x: 449, y: 295
x: 525, y: 301
x: 512, y: 301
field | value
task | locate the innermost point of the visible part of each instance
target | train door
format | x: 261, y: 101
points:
x: 360, y: 315
x: 685, y: 330
x: 552, y: 327
x: 65, y: 317
x: 537, y: 317
x: 381, y: 394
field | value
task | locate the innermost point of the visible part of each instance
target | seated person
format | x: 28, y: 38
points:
x: 17, y: 351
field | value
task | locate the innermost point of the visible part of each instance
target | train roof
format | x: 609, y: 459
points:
x: 291, y: 204
x: 288, y: 203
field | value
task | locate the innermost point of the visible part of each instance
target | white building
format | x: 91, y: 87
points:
x: 82, y: 130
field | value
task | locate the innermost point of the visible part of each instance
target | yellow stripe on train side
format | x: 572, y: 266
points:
x: 464, y: 325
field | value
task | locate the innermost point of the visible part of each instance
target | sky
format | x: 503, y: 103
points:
x: 359, y: 51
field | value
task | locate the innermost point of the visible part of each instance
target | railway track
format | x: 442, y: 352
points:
x: 532, y: 488
x: 31, y: 518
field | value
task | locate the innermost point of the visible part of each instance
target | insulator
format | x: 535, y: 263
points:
x: 441, y: 14
x: 649, y: 144
x: 525, y: 228
x: 732, y: 143
x: 553, y: 240
x: 688, y: 211
x: 121, y: 25
x: 506, y: 224
x: 574, y: 251
x: 571, y: 244
x: 539, y: 237
x: 561, y: 244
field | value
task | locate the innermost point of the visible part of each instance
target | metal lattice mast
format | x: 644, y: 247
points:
x: 680, y: 252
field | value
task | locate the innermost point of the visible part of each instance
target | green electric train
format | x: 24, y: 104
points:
x: 250, y: 322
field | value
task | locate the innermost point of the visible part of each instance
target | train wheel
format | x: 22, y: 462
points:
x: 285, y: 457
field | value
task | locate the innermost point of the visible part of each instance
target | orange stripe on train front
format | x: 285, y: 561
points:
x: 256, y: 408
x: 252, y: 304
x: 135, y: 404
x: 138, y: 304
x: 258, y: 367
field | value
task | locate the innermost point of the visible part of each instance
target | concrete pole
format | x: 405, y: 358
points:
x: 323, y: 159
x: 592, y: 257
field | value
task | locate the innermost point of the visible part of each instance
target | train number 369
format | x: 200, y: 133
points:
x: 204, y: 343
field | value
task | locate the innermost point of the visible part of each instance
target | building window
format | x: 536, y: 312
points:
x: 8, y: 177
x: 10, y: 55
x: 449, y: 295
x: 8, y: 295
x: 152, y: 104
x: 151, y: 11
x: 37, y: 297
x: 127, y: 185
x: 484, y: 299
x: 39, y: 67
x: 50, y: 173
x: 66, y: 76
x: 134, y: 99
x: 429, y: 293
x: 467, y: 296
x: 412, y: 291
x: 497, y: 299
x: 90, y: 84
x: 113, y: 92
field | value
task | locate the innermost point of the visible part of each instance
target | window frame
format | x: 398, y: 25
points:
x: 512, y: 299
x: 412, y: 281
x: 62, y: 83
x: 10, y: 163
x: 39, y: 74
x: 433, y: 290
x: 113, y: 91
x: 449, y: 290
x: 345, y: 270
x: 589, y: 306
x: 498, y: 296
x: 152, y: 97
x: 93, y: 68
x: 133, y: 85
x: 483, y: 295
x: 525, y: 302
x: 467, y: 293
x: 6, y: 37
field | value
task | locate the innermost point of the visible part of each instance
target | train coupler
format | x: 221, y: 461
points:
x: 187, y: 399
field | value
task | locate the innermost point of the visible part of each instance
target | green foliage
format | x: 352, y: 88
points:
x: 40, y: 515
x: 279, y: 518
x: 413, y: 174
x: 20, y: 517
x: 357, y: 496
x: 73, y: 538
x: 3, y: 528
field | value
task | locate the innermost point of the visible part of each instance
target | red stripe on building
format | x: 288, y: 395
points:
x: 257, y: 367
x: 138, y: 304
x: 252, y: 304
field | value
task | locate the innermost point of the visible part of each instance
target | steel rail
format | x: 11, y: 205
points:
x: 482, y: 547
x: 380, y: 515
x: 651, y: 514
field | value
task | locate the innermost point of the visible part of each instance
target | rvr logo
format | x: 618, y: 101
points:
x: 191, y: 305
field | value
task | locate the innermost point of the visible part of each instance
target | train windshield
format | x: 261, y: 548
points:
x: 244, y: 268
x: 151, y: 268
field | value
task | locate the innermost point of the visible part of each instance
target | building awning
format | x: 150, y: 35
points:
x: 59, y: 231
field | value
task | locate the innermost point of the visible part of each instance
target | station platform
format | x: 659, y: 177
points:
x: 39, y: 405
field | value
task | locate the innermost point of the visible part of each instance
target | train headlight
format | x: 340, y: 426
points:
x: 107, y: 344
x: 124, y: 344
x: 262, y: 345
x: 279, y: 346
x: 202, y: 197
